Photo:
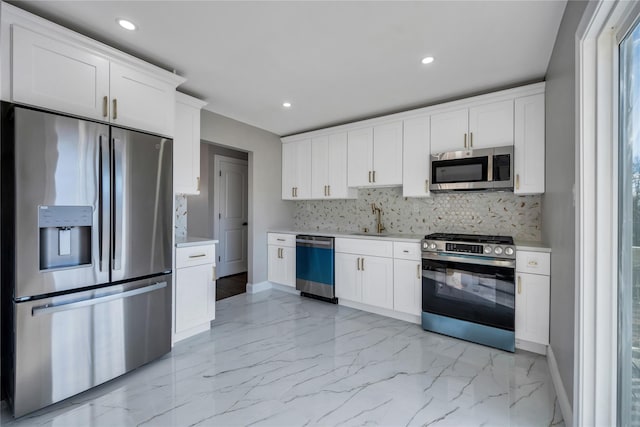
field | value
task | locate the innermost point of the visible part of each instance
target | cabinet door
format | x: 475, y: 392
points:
x: 407, y: 286
x: 416, y: 158
x: 211, y: 295
x: 55, y: 75
x: 192, y: 296
x: 275, y: 266
x: 491, y: 125
x: 449, y: 131
x: 532, y: 307
x: 337, y: 160
x: 377, y: 281
x: 289, y: 266
x: 296, y: 170
x: 387, y: 154
x: 360, y: 157
x: 319, y: 167
x: 186, y: 150
x: 528, y: 150
x: 141, y: 101
x: 348, y: 277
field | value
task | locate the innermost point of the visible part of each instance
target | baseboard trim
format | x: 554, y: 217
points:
x: 563, y: 399
x: 285, y: 288
x: 533, y: 347
x: 381, y: 311
x: 254, y: 288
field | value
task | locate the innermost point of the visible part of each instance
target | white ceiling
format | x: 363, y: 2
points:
x: 335, y: 61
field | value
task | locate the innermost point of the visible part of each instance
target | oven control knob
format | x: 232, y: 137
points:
x: 433, y: 246
x: 498, y: 250
x: 487, y: 249
x: 508, y: 251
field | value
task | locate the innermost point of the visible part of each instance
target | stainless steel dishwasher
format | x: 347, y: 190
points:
x: 315, y: 267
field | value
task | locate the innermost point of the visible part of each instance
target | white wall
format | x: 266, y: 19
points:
x: 266, y: 209
x: 558, y: 209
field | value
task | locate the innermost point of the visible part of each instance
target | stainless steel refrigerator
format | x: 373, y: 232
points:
x: 86, y: 244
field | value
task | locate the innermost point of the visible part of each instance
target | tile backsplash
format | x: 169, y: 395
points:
x: 478, y: 213
x: 181, y: 215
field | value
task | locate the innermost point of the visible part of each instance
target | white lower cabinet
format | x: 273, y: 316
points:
x: 195, y: 290
x: 407, y: 278
x: 281, y: 253
x: 364, y: 271
x: 533, y: 287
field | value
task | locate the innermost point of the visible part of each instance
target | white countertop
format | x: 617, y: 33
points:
x: 182, y: 242
x: 413, y: 238
x: 523, y: 245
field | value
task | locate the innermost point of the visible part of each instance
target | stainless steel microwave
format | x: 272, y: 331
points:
x: 489, y: 169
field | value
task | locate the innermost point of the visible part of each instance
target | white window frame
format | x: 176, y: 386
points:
x: 603, y: 25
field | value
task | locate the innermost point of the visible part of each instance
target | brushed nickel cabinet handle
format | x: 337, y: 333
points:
x: 115, y: 109
x: 418, y: 270
x: 281, y: 240
x: 362, y: 264
x: 426, y: 185
x: 465, y: 140
x: 369, y: 176
x: 329, y: 190
x: 519, y: 284
x: 517, y: 181
x: 105, y: 106
x: 213, y: 273
x: 197, y: 256
x: 374, y: 176
x: 197, y: 183
x: 471, y: 139
x: 358, y: 264
x: 291, y: 191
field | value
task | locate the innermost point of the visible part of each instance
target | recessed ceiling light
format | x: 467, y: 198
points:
x: 126, y: 24
x: 427, y: 60
x: 286, y: 104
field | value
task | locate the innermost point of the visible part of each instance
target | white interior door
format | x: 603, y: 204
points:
x: 231, y: 189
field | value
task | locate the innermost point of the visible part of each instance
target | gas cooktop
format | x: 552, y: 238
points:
x: 479, y: 245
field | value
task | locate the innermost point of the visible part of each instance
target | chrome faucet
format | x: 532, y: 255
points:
x: 378, y: 211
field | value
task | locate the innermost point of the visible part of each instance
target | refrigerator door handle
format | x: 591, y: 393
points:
x: 116, y: 203
x: 49, y: 309
x: 103, y: 195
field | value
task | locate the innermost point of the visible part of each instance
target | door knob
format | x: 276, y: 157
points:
x: 245, y: 223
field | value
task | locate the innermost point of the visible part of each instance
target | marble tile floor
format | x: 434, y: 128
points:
x: 277, y: 359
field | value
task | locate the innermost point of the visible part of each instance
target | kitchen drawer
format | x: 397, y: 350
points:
x: 190, y: 256
x: 380, y: 248
x: 533, y: 262
x: 406, y: 250
x: 281, y: 239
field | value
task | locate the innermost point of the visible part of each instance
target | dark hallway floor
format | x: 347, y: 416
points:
x: 231, y: 285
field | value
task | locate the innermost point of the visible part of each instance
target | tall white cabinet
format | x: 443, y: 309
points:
x: 186, y: 144
x: 416, y: 156
x: 529, y: 150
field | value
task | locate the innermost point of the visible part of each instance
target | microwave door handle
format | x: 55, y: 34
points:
x: 490, y: 168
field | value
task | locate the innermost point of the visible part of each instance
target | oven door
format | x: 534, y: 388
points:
x: 474, y: 289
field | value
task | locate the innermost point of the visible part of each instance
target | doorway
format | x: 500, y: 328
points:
x: 230, y: 216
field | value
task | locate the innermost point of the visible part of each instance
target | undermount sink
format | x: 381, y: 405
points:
x: 362, y: 233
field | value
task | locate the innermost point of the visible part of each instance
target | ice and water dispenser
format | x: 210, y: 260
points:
x: 65, y: 236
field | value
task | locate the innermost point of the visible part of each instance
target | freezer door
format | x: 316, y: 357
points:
x: 141, y: 204
x: 58, y: 164
x: 68, y: 344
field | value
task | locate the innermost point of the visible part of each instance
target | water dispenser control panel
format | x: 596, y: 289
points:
x: 65, y: 236
x: 65, y: 216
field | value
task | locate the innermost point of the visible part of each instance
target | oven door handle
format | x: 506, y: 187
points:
x: 509, y: 263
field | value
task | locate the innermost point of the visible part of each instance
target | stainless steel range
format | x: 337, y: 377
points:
x: 468, y: 288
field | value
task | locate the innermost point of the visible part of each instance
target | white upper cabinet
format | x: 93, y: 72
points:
x: 416, y: 167
x: 387, y: 154
x: 491, y: 125
x: 449, y: 131
x: 375, y: 156
x: 186, y: 144
x: 529, y: 151
x: 329, y: 168
x: 140, y: 100
x: 59, y: 76
x: 296, y: 170
x: 57, y: 69
x: 482, y: 126
x: 360, y: 157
